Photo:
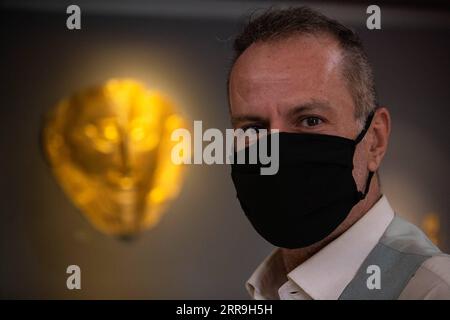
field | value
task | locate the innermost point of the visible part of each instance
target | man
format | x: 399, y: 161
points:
x: 307, y: 76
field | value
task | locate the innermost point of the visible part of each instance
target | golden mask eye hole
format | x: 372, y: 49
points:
x: 90, y: 131
x: 111, y: 133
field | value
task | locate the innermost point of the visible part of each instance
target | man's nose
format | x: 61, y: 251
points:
x: 280, y: 124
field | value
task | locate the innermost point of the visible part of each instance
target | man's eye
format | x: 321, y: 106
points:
x: 254, y: 127
x: 311, y: 122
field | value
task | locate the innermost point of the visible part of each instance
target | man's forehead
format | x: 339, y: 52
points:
x: 287, y: 69
x: 280, y: 59
x: 274, y: 77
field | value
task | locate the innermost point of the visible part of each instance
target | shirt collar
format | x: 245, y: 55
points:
x: 326, y: 274
x: 267, y: 277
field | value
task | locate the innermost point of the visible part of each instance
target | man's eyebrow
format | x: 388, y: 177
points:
x: 309, y: 106
x: 247, y: 118
x: 294, y: 111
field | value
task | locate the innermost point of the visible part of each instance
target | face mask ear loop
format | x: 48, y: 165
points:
x: 358, y: 140
x: 369, y: 179
x: 366, y: 127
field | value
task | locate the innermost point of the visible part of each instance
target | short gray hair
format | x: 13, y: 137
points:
x: 275, y: 24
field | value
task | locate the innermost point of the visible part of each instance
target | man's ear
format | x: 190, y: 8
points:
x: 379, y: 132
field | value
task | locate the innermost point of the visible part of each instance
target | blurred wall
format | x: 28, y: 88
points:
x: 204, y: 247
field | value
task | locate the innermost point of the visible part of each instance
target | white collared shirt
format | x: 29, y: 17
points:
x: 325, y: 275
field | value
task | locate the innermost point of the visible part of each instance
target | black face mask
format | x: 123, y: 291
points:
x: 310, y: 195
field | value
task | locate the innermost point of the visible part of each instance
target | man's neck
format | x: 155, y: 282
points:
x: 292, y: 258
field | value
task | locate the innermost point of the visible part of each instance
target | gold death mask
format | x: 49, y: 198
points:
x: 110, y: 150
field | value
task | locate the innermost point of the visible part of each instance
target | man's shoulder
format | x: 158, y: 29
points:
x: 431, y: 280
x: 405, y: 237
x: 439, y: 266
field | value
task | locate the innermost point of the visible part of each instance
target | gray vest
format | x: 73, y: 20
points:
x: 400, y: 252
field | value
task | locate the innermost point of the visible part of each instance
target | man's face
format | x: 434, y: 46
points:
x: 297, y: 85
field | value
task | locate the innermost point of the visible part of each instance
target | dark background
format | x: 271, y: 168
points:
x: 204, y: 247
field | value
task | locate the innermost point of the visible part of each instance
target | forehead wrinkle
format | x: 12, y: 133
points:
x: 260, y: 85
x: 252, y: 93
